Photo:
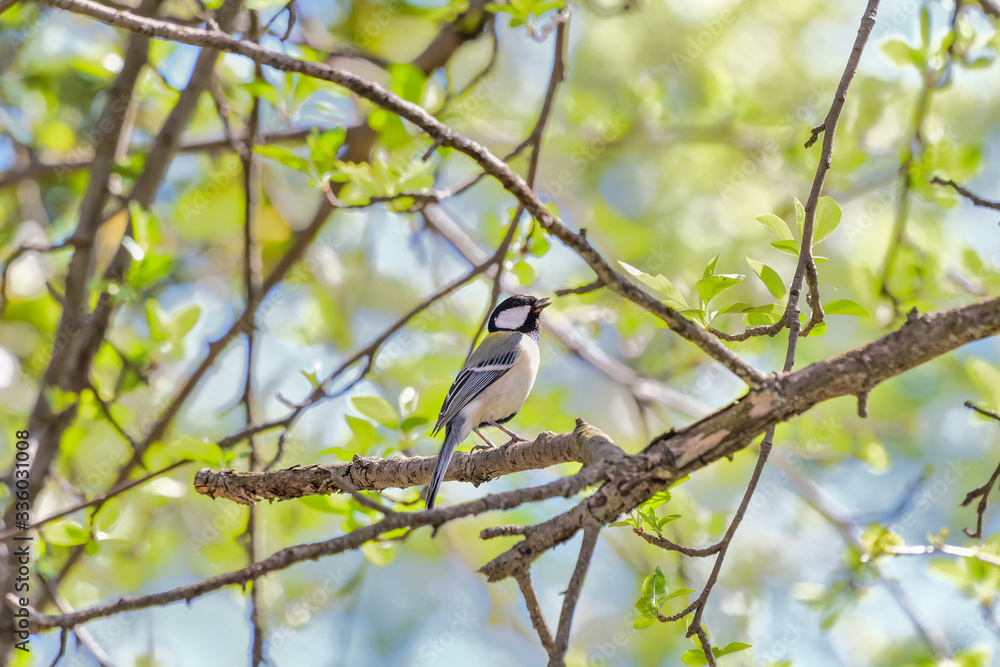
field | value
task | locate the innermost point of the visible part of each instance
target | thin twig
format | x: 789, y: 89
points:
x: 448, y: 137
x: 557, y: 656
x: 664, y: 543
x: 983, y: 492
x: 534, y: 609
x: 289, y: 556
x: 252, y: 280
x: 971, y: 196
x: 104, y: 497
x: 790, y: 318
x: 849, y: 531
x: 582, y: 289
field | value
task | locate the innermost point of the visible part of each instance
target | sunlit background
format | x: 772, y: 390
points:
x: 679, y: 124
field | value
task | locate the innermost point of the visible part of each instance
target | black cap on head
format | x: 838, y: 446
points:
x: 518, y: 313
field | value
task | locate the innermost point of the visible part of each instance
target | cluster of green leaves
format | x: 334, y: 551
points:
x: 644, y: 516
x: 389, y: 174
x: 828, y: 216
x: 958, y: 45
x: 653, y: 595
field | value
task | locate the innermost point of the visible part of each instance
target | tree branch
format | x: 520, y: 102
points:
x: 557, y: 656
x: 971, y: 196
x: 444, y: 136
x: 983, y: 492
x: 677, y: 453
x: 534, y: 609
x: 583, y: 445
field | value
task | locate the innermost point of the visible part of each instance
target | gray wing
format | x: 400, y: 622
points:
x: 472, y: 380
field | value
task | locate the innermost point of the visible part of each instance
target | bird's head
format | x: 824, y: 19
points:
x: 518, y: 313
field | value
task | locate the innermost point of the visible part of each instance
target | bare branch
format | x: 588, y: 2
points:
x: 557, y: 656
x: 582, y: 289
x: 289, y: 556
x: 664, y: 543
x: 983, y: 492
x: 534, y: 609
x: 584, y: 445
x: 676, y: 453
x: 971, y: 196
x: 447, y: 137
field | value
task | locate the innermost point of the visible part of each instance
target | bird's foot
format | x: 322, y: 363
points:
x: 514, y: 437
x: 488, y: 445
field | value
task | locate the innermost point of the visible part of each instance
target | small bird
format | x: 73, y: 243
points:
x: 495, y: 381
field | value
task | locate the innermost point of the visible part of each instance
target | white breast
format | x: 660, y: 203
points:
x: 507, y: 395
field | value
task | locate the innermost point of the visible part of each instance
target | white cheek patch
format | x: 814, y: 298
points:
x: 512, y: 318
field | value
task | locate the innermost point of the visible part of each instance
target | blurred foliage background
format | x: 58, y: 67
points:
x: 678, y: 125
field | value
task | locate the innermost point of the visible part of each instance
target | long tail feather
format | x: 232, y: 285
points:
x: 452, y: 436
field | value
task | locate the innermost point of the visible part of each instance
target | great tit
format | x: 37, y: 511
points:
x: 495, y: 381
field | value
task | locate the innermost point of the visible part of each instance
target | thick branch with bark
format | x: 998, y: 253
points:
x: 630, y: 479
x: 374, y: 473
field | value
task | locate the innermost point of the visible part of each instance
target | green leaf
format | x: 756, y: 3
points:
x: 731, y: 647
x: 790, y: 247
x: 738, y: 307
x: 694, y: 657
x: 407, y: 81
x: 643, y: 621
x: 379, y: 553
x: 140, y: 224
x: 157, y: 321
x: 283, y: 156
x: 183, y: 321
x: 828, y: 215
x: 875, y: 455
x: 679, y: 592
x: 195, y: 449
x: 711, y: 287
x: 620, y: 523
x: 539, y: 245
x: 658, y: 283
x: 844, y: 307
x: 900, y: 53
x: 800, y: 215
x: 323, y: 147
x: 363, y: 433
x: 693, y: 314
x: 525, y: 273
x: 986, y: 377
x: 67, y: 533
x: 413, y: 421
x: 656, y: 500
x: 377, y: 408
x: 925, y: 26
x: 769, y: 277
x: 543, y: 6
x: 818, y: 330
x: 776, y: 225
x: 108, y: 515
x: 59, y: 399
x: 710, y: 267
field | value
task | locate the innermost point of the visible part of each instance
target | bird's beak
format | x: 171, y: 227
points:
x: 542, y: 303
